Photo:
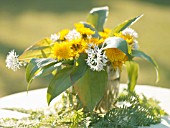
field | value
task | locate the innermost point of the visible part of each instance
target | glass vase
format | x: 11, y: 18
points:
x: 112, y: 90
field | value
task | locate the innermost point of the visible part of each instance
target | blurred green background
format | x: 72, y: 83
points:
x: 24, y: 22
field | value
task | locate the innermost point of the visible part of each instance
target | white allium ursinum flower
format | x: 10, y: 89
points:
x: 130, y: 32
x: 135, y: 45
x: 73, y: 35
x: 96, y: 58
x: 55, y: 37
x: 12, y: 61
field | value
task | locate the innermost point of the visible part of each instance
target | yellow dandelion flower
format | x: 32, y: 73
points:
x: 62, y: 51
x: 83, y: 30
x: 63, y: 33
x: 105, y: 33
x: 78, y: 46
x: 96, y: 41
x: 129, y: 39
x: 107, y: 30
x: 84, y: 45
x: 79, y: 25
x: 116, y: 57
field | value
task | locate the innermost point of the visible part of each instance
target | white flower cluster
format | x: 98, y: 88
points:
x: 96, y: 58
x: 132, y: 33
x: 73, y: 35
x: 135, y: 45
x: 55, y: 37
x: 12, y: 61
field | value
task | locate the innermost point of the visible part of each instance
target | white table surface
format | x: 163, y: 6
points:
x: 36, y: 99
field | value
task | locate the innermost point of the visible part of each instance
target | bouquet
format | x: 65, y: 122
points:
x: 88, y: 58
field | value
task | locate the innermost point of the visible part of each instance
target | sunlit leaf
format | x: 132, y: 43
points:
x: 59, y: 83
x: 35, y: 66
x: 66, y: 78
x: 137, y: 53
x: 124, y: 25
x: 41, y: 49
x: 31, y: 70
x: 132, y: 72
x: 91, y: 88
x: 97, y: 17
x: 79, y: 68
x: 47, y: 70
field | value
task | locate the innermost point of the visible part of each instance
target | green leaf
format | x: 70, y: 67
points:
x: 35, y: 65
x: 59, y: 83
x: 137, y: 53
x: 46, y: 70
x: 31, y: 69
x: 97, y: 17
x: 117, y: 42
x: 34, y: 68
x: 91, y: 88
x: 124, y: 25
x: 66, y: 78
x: 132, y: 71
x: 79, y: 70
x: 41, y: 49
x: 42, y: 62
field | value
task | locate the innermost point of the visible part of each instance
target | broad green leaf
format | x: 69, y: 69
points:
x: 31, y: 69
x: 91, y: 88
x: 59, y: 83
x: 68, y: 62
x: 97, y: 17
x: 117, y: 42
x: 124, y: 25
x: 42, y: 62
x: 132, y: 71
x: 137, y: 53
x: 46, y: 70
x: 79, y: 68
x: 41, y: 49
x: 35, y: 66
